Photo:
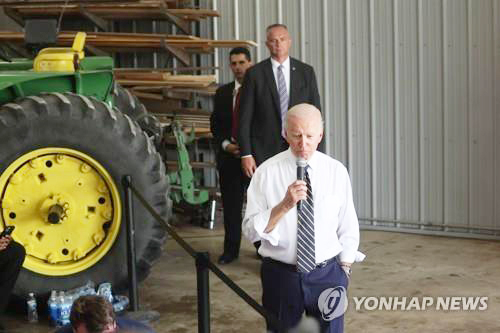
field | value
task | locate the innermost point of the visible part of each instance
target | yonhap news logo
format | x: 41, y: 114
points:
x: 332, y: 303
x: 438, y: 303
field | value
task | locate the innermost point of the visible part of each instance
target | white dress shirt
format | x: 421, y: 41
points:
x: 286, y: 73
x: 335, y: 220
x: 237, y: 86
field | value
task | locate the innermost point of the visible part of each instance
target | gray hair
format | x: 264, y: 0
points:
x: 303, y: 110
x: 276, y: 25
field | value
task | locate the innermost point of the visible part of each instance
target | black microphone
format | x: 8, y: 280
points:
x: 301, y: 167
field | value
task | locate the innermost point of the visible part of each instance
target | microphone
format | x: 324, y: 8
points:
x: 301, y: 167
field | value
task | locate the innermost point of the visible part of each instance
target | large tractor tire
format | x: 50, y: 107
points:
x: 62, y: 159
x: 132, y: 107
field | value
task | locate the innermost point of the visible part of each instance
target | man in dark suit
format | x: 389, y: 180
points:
x: 224, y: 126
x: 270, y: 88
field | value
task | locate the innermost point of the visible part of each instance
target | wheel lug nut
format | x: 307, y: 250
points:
x: 84, y: 168
x: 16, y: 179
x: 51, y: 258
x: 97, y: 238
x: 35, y: 163
x: 107, y: 214
x: 77, y: 254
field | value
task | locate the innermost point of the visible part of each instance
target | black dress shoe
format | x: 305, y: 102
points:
x: 226, y: 259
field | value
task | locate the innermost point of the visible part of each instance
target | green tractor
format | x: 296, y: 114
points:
x: 68, y: 134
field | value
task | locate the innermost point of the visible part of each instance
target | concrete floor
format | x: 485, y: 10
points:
x: 400, y: 265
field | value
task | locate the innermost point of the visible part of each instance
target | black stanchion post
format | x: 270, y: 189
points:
x: 203, y: 292
x: 129, y: 216
x: 203, y: 266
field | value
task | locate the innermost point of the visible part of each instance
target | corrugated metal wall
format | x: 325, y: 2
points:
x: 411, y: 90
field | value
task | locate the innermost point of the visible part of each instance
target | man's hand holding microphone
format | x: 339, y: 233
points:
x: 296, y: 192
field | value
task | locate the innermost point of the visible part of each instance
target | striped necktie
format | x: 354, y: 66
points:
x: 306, y: 259
x: 284, y: 100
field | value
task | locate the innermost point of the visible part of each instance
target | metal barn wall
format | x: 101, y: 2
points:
x: 411, y: 92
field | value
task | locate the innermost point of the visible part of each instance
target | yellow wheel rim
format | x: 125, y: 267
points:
x: 66, y: 209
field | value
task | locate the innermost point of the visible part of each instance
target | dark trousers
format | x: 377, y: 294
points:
x: 233, y: 184
x: 11, y: 260
x: 288, y: 293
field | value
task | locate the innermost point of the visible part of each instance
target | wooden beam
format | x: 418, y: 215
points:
x: 14, y: 16
x: 180, y: 23
x: 96, y: 51
x: 177, y: 52
x: 99, y: 22
x: 19, y: 50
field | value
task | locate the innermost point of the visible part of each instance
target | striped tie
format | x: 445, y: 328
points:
x: 306, y: 261
x: 283, y: 96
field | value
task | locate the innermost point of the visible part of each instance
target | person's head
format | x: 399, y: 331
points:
x: 278, y: 41
x: 304, y: 129
x: 92, y: 314
x: 240, y: 60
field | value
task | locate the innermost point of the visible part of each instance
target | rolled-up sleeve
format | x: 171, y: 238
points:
x: 257, y: 213
x: 348, y: 228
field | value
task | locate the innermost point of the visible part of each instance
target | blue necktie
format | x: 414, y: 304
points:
x: 283, y: 96
x: 306, y: 259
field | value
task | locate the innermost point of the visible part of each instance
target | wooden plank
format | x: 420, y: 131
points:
x: 145, y: 95
x: 117, y: 11
x: 164, y: 83
x: 177, y: 90
x: 195, y: 165
x: 146, y: 76
x: 134, y: 40
x: 30, y: 2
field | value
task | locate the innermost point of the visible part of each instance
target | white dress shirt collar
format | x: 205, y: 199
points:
x: 276, y: 64
x: 312, y: 162
x: 237, y: 86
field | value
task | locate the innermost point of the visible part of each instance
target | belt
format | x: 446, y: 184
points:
x: 293, y: 268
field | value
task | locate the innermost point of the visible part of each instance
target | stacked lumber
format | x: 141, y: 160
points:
x: 190, y: 121
x: 167, y: 107
x: 133, y: 42
x: 162, y: 93
x: 138, y: 10
x: 164, y: 79
x: 163, y: 85
x: 30, y: 2
x: 180, y: 46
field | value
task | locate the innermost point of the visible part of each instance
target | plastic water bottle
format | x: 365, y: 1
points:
x: 67, y: 302
x: 52, y: 305
x: 32, y: 311
x: 120, y: 303
x: 87, y: 289
x: 105, y: 291
x: 59, y: 303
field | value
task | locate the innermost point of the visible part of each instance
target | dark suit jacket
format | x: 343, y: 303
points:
x: 260, y: 115
x: 221, y: 120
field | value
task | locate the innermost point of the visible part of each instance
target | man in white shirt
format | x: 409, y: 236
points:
x: 308, y: 252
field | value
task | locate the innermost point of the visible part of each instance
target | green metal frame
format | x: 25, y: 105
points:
x: 183, y: 178
x: 94, y: 78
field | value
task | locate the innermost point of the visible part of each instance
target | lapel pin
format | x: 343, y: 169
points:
x: 293, y: 68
